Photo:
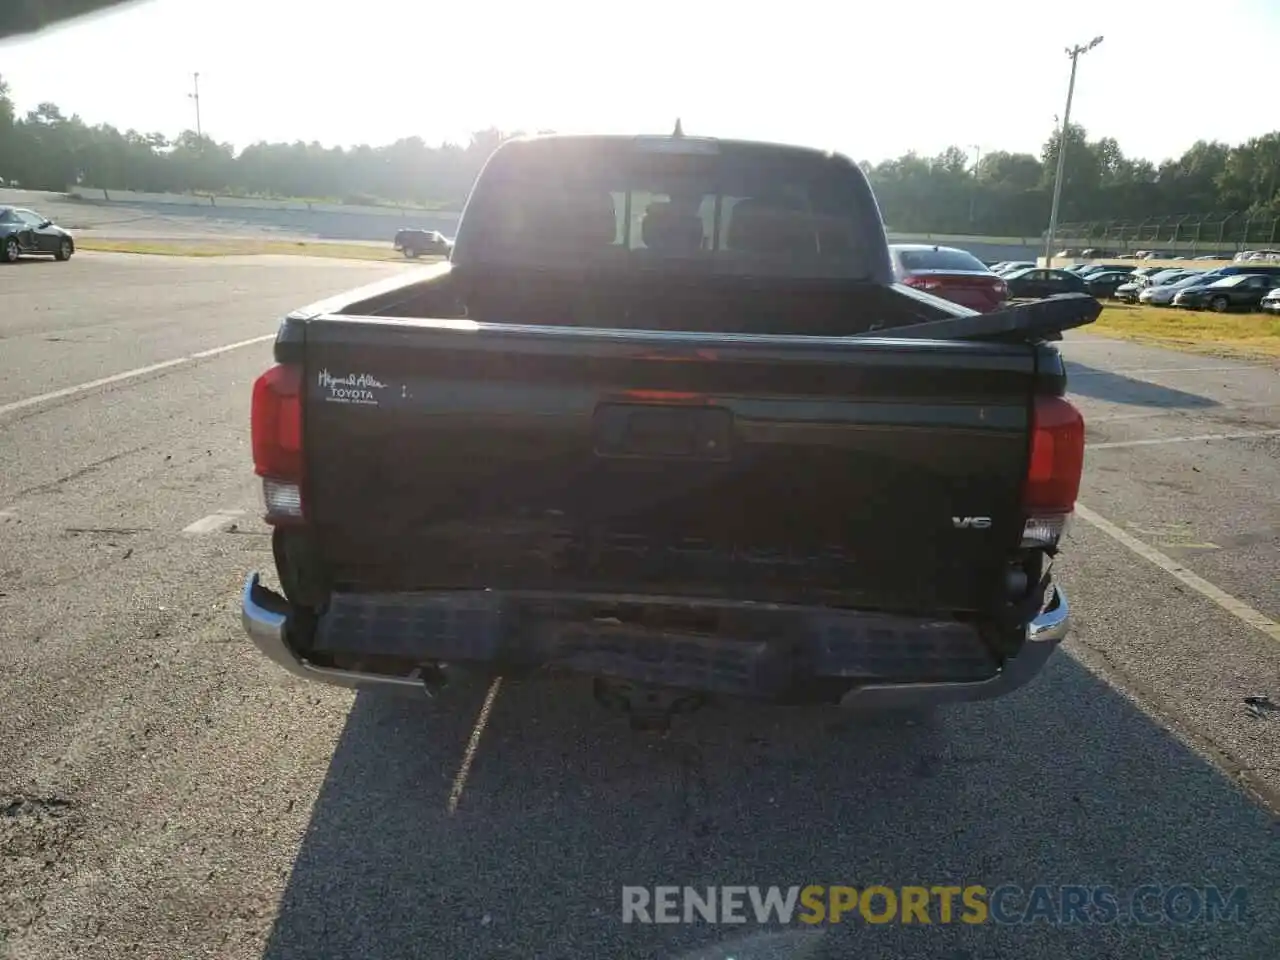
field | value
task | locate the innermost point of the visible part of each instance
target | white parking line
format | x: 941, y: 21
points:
x: 128, y: 375
x: 1237, y: 608
x: 473, y: 744
x: 212, y: 523
x: 1090, y: 420
x: 230, y: 346
x: 1146, y: 415
x: 1128, y: 371
x: 1156, y: 441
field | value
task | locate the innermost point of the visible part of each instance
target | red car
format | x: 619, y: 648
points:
x: 955, y: 275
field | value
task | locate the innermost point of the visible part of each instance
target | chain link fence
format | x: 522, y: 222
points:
x: 1194, y: 234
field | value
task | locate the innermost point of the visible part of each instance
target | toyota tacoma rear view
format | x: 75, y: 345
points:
x: 665, y: 420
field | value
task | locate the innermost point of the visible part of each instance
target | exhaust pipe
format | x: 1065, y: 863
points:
x: 437, y: 677
x: 434, y: 678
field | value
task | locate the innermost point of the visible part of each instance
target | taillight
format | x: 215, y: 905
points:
x: 1054, y: 469
x: 922, y: 283
x: 276, y: 427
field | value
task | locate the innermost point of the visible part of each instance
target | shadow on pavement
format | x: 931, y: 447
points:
x: 1087, y: 381
x: 1064, y: 783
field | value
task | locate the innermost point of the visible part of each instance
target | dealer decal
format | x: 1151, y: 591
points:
x: 353, y: 388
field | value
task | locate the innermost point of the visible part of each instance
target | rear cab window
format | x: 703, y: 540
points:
x: 942, y: 259
x: 730, y: 208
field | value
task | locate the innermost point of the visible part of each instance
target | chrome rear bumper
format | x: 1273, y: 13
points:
x: 1044, y: 633
x: 265, y: 617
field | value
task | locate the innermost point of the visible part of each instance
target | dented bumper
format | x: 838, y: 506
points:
x: 877, y: 677
x: 1044, y: 633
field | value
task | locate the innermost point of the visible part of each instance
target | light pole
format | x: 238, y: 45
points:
x: 1074, y: 54
x: 973, y: 192
x: 196, y: 97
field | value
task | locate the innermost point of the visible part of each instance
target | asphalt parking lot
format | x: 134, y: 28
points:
x: 167, y: 792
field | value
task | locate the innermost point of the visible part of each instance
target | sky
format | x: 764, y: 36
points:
x: 872, y: 80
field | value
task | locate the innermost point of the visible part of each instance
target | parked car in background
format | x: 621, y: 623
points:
x: 1259, y: 269
x: 1129, y: 292
x: 1095, y: 268
x: 1255, y: 256
x: 1013, y: 265
x: 1242, y: 291
x: 414, y: 243
x: 1084, y: 269
x: 1102, y: 285
x: 1041, y: 282
x: 948, y: 272
x: 1165, y: 276
x: 1271, y: 302
x: 1162, y: 295
x: 26, y: 233
x: 1207, y: 277
x: 1148, y: 271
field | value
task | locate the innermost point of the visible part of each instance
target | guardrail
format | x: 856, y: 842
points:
x: 100, y: 195
x: 1226, y: 232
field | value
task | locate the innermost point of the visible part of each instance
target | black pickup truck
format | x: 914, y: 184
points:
x: 665, y: 420
x: 414, y: 243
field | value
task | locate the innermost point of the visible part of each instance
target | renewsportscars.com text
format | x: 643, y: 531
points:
x: 936, y: 904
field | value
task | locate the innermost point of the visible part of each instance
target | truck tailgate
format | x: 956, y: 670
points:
x: 878, y: 474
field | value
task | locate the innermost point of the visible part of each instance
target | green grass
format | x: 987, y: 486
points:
x: 1238, y: 334
x: 243, y: 248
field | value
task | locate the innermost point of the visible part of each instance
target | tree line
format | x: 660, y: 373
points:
x: 1003, y: 194
x: 1010, y: 194
x: 48, y: 150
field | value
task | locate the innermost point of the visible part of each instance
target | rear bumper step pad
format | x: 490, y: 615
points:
x: 756, y: 652
x: 759, y: 650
